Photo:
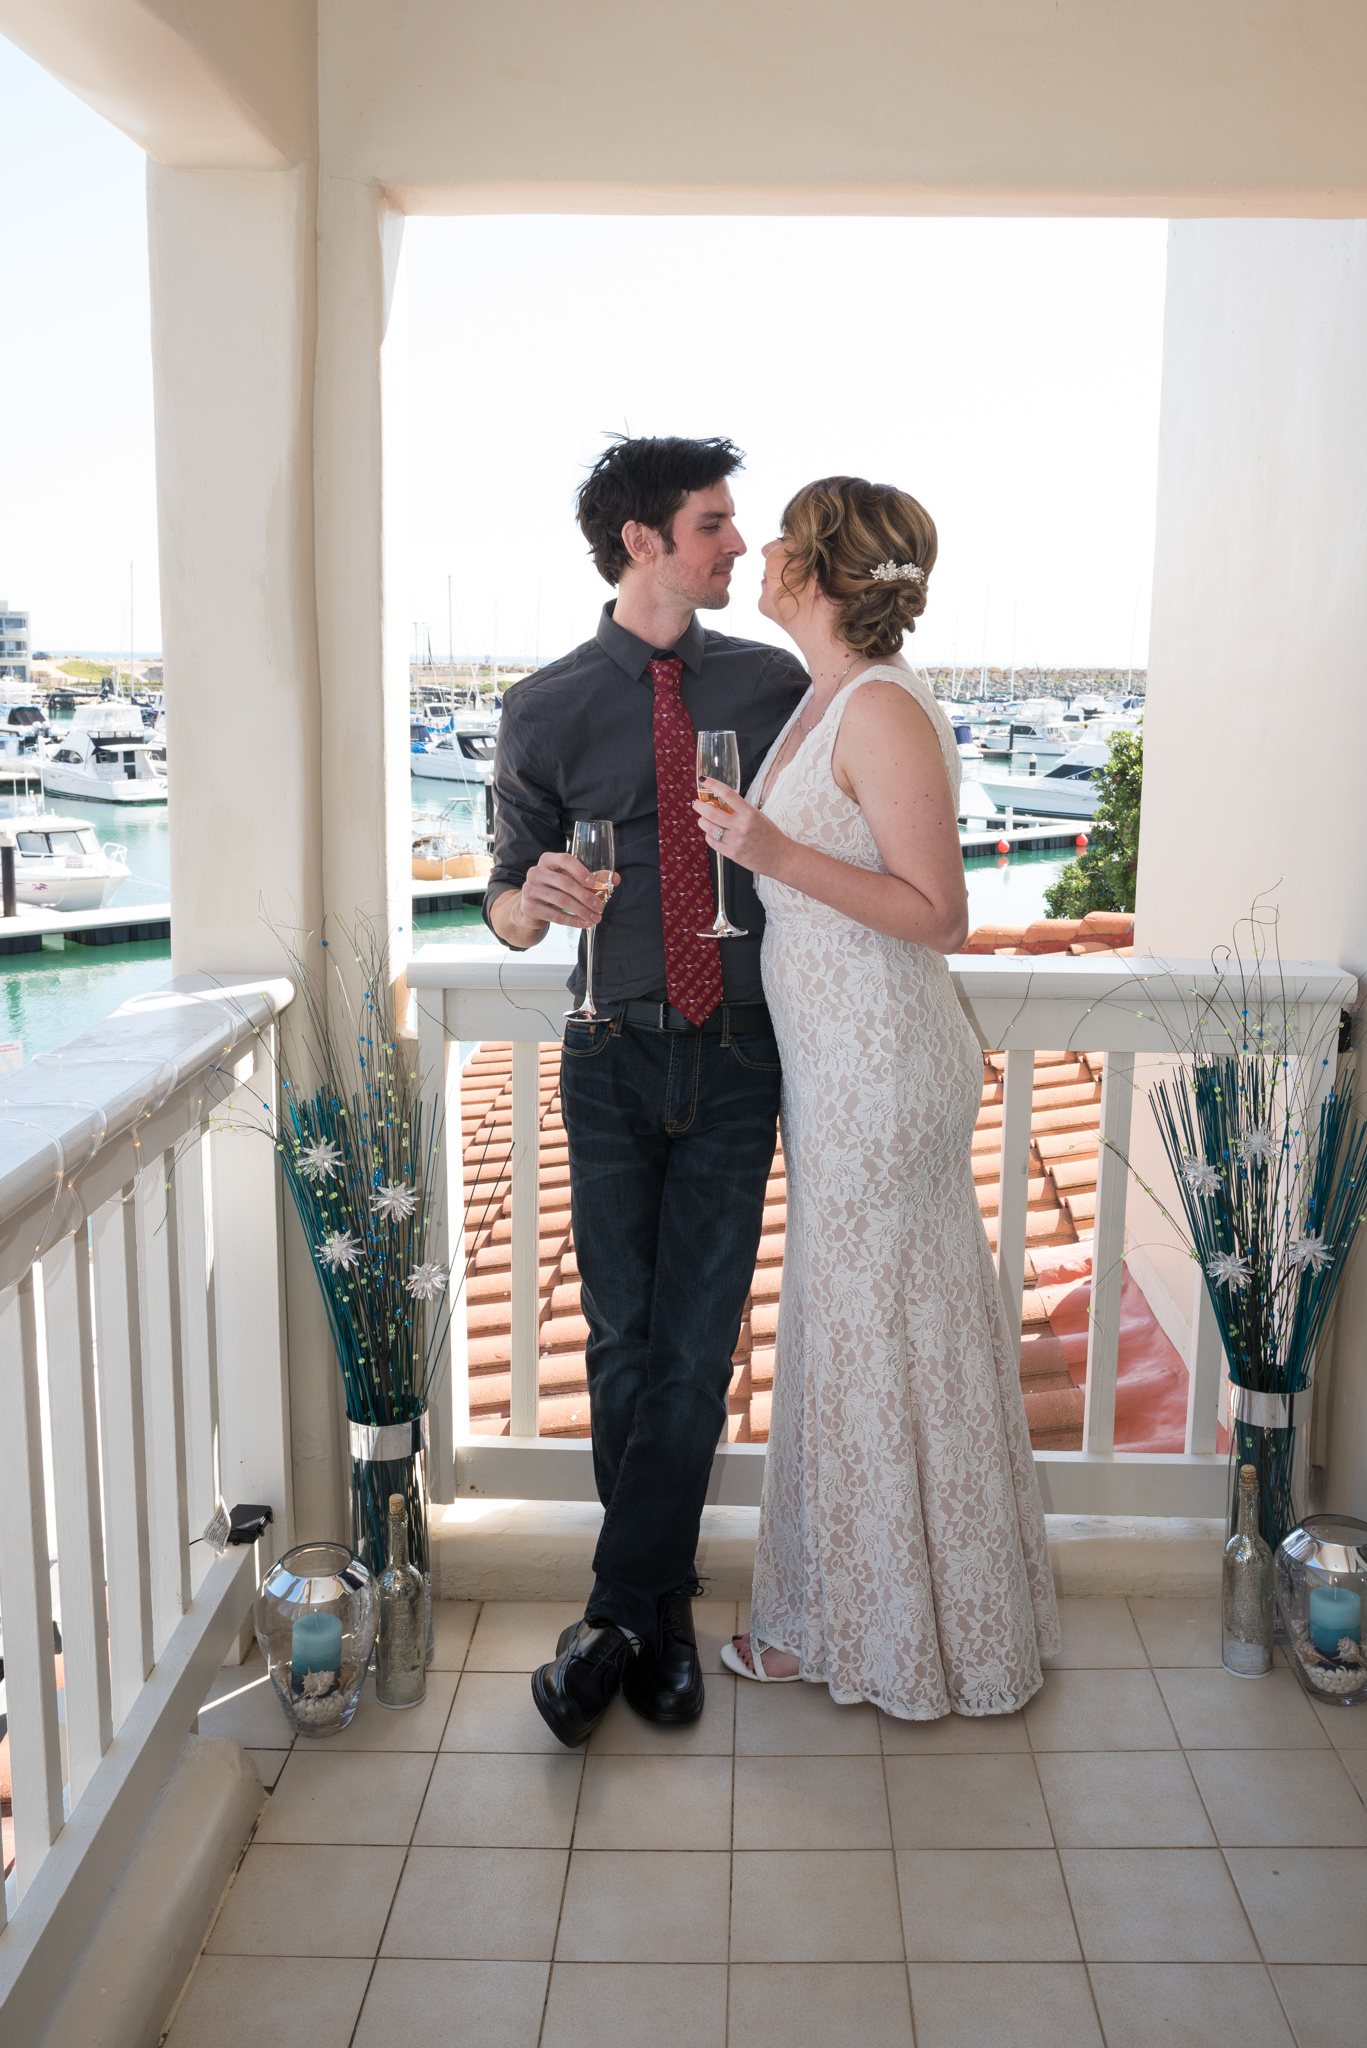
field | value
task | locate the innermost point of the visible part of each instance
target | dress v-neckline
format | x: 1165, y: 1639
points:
x: 775, y: 773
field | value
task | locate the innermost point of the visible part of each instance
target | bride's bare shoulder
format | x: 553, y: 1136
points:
x: 884, y: 700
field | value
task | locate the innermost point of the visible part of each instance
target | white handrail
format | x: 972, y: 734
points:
x: 1118, y: 1007
x: 118, y: 1217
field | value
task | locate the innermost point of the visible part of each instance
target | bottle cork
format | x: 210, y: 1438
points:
x: 1248, y: 1475
x: 396, y: 1499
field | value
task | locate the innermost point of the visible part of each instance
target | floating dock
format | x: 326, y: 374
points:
x: 119, y: 924
x: 1041, y: 835
x: 453, y: 892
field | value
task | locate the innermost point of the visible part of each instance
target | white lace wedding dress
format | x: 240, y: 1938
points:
x: 902, y: 1553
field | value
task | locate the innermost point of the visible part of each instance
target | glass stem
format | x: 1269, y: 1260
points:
x: 721, y: 888
x: 589, y: 935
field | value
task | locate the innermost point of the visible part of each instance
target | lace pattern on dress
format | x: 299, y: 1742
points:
x: 902, y: 1554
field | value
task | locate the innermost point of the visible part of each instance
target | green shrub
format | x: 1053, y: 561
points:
x: 1103, y: 878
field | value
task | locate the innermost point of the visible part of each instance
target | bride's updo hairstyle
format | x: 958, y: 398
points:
x: 842, y: 530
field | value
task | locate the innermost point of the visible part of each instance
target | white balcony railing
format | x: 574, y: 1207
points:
x: 1122, y: 1008
x: 142, y: 1379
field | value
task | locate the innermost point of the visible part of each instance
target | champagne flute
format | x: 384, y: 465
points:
x: 719, y: 758
x: 592, y: 845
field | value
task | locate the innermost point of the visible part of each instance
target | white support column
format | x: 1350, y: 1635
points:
x: 360, y: 429
x: 232, y: 275
x: 1108, y: 1254
x: 526, y: 1196
x: 234, y: 265
x: 1018, y: 1095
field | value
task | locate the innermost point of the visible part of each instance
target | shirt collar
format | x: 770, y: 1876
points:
x: 631, y: 654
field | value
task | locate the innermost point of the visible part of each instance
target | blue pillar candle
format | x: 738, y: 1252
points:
x: 316, y: 1644
x: 1335, y: 1612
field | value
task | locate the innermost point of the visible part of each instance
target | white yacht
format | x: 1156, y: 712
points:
x: 1066, y: 790
x: 59, y: 864
x: 464, y: 753
x: 107, y: 756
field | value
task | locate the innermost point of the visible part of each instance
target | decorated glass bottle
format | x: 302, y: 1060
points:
x: 1247, y: 1605
x: 401, y: 1645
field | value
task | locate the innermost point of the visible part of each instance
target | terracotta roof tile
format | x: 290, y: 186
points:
x: 1062, y: 1201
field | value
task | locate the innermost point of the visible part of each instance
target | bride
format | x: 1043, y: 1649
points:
x: 902, y: 1554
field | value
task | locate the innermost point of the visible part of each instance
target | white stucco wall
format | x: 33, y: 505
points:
x: 1256, y: 728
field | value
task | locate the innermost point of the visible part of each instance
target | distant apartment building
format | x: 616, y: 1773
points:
x: 14, y: 655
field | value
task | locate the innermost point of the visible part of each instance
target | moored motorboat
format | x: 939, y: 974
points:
x: 464, y: 753
x: 1066, y: 790
x: 59, y: 863
x: 106, y: 756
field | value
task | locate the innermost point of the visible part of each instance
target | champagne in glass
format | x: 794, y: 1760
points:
x: 719, y: 758
x: 592, y: 845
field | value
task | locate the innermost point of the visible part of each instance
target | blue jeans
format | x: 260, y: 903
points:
x: 671, y: 1136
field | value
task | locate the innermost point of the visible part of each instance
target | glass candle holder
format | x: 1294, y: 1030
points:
x: 1321, y: 1598
x: 315, y: 1621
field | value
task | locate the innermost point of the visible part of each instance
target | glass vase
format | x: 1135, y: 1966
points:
x: 1263, y: 1435
x: 315, y: 1619
x: 385, y: 1460
x: 1321, y: 1598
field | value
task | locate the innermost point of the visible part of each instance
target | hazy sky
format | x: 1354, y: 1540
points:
x: 1006, y: 372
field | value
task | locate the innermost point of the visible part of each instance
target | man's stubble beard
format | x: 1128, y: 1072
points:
x: 708, y: 599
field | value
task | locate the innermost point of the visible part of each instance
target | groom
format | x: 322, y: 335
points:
x: 671, y: 1101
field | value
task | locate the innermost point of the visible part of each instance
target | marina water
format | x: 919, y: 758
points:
x: 47, y: 997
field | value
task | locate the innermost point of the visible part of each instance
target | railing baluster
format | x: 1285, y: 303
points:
x: 449, y: 1401
x: 525, y: 1304
x: 1205, y: 1370
x: 26, y: 1592
x: 1108, y: 1254
x: 190, y: 1216
x: 127, y: 1543
x: 163, y: 1399
x: 1017, y: 1098
x: 76, y: 1487
x: 249, y: 1321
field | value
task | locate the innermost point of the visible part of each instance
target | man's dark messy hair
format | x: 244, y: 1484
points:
x: 646, y: 480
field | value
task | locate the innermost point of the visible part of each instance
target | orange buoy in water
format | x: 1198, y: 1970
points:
x: 1003, y: 846
x: 1081, y: 839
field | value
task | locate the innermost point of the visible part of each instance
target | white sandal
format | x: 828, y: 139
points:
x: 732, y: 1659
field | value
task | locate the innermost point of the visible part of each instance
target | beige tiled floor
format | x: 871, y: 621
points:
x: 1153, y: 1851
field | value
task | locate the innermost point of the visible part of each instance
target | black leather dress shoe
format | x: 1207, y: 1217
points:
x: 573, y: 1693
x: 665, y: 1684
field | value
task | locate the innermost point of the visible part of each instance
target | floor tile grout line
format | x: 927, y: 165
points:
x: 896, y: 1877
x: 417, y: 1820
x: 564, y: 1884
x: 731, y: 1848
x: 1068, y: 1895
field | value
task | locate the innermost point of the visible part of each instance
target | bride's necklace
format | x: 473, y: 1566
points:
x: 802, y: 727
x: 799, y: 729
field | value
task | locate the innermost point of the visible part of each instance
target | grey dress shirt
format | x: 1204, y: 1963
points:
x: 577, y: 740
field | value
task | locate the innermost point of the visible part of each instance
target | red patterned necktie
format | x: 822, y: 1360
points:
x: 692, y: 964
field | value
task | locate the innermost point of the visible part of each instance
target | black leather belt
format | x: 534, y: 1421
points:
x: 736, y: 1018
